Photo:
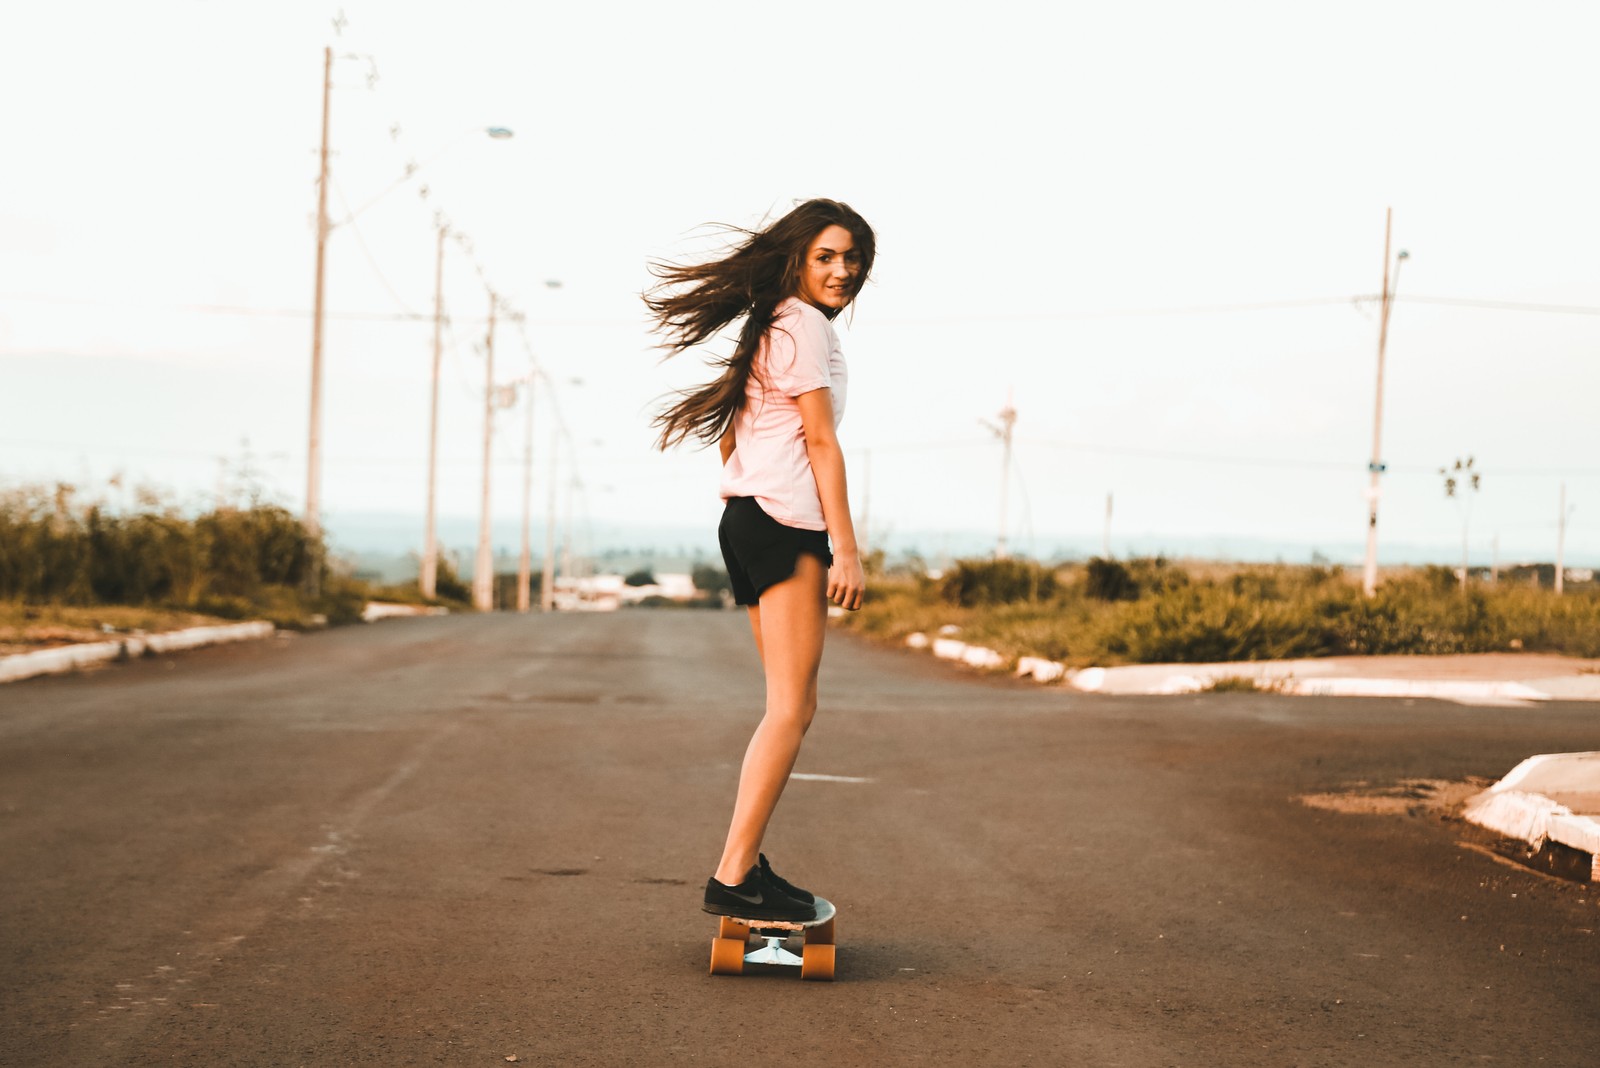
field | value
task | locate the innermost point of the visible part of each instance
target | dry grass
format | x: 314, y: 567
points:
x: 1408, y: 797
x: 1233, y: 684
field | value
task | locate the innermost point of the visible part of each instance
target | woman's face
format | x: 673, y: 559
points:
x: 828, y: 280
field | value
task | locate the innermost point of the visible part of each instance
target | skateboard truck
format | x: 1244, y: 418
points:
x: 773, y: 952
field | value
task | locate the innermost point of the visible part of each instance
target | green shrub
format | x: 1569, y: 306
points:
x: 225, y: 607
x: 1438, y: 579
x: 1109, y: 580
x: 979, y: 582
x: 342, y: 600
x: 229, y: 562
x: 1157, y: 575
x: 1237, y: 612
x: 708, y: 579
x: 449, y: 587
x: 245, y: 550
x: 1205, y: 624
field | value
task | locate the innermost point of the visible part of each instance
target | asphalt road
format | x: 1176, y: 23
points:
x: 451, y: 841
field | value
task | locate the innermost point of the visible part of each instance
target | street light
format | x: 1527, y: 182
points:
x: 524, y: 559
x: 1376, y: 466
x: 547, y: 580
x: 505, y: 395
x: 1008, y: 420
x: 428, y: 577
x: 483, y: 568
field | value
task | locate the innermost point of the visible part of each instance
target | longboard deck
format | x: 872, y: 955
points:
x: 825, y: 913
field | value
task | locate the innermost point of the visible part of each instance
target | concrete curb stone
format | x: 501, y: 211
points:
x: 1491, y: 679
x: 72, y: 657
x: 1550, y: 797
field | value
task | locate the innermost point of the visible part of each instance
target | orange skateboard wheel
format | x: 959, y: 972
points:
x: 727, y: 956
x: 816, y: 962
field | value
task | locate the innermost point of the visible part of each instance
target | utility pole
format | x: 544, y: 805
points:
x: 1561, y: 542
x: 1375, y: 467
x: 1494, y: 561
x: 483, y: 570
x: 547, y: 582
x: 430, y: 542
x: 525, y: 560
x: 1458, y: 482
x: 1008, y: 420
x: 1105, y: 538
x: 313, y: 516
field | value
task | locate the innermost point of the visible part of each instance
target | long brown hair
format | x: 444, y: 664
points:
x: 691, y: 302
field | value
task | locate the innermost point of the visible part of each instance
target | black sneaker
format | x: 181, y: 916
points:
x: 756, y: 899
x: 783, y: 884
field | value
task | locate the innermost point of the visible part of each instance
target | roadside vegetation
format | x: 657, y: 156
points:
x: 1109, y: 612
x: 73, y: 571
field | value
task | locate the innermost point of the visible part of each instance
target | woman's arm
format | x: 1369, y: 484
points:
x: 847, y: 582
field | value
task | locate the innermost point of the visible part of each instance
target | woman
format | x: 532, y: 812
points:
x: 774, y: 411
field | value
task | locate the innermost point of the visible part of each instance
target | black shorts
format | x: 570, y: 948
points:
x: 760, y: 552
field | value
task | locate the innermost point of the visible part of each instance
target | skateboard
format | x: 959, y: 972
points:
x: 731, y: 953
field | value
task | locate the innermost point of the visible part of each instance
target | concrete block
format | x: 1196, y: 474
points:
x: 1039, y: 669
x: 979, y: 657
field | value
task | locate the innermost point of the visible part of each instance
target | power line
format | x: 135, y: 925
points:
x: 1199, y: 457
x: 1356, y: 299
x: 372, y: 261
x: 1106, y: 313
x: 1346, y: 466
x: 1502, y: 305
x: 202, y: 454
x: 221, y: 309
x: 1541, y: 472
x: 408, y: 316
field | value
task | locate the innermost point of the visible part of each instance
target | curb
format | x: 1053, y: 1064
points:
x: 1450, y: 690
x: 1093, y: 680
x: 376, y: 610
x: 1517, y: 805
x: 1301, y: 678
x: 73, y: 657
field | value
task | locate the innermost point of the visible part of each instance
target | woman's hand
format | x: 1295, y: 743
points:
x: 847, y: 582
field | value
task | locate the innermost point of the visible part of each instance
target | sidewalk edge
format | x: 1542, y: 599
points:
x: 1534, y: 818
x: 72, y: 657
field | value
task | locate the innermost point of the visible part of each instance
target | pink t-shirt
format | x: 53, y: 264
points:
x: 769, y: 462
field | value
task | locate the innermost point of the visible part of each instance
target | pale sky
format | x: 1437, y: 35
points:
x: 1073, y: 202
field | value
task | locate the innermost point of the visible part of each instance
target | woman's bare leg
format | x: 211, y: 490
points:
x: 789, y: 626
